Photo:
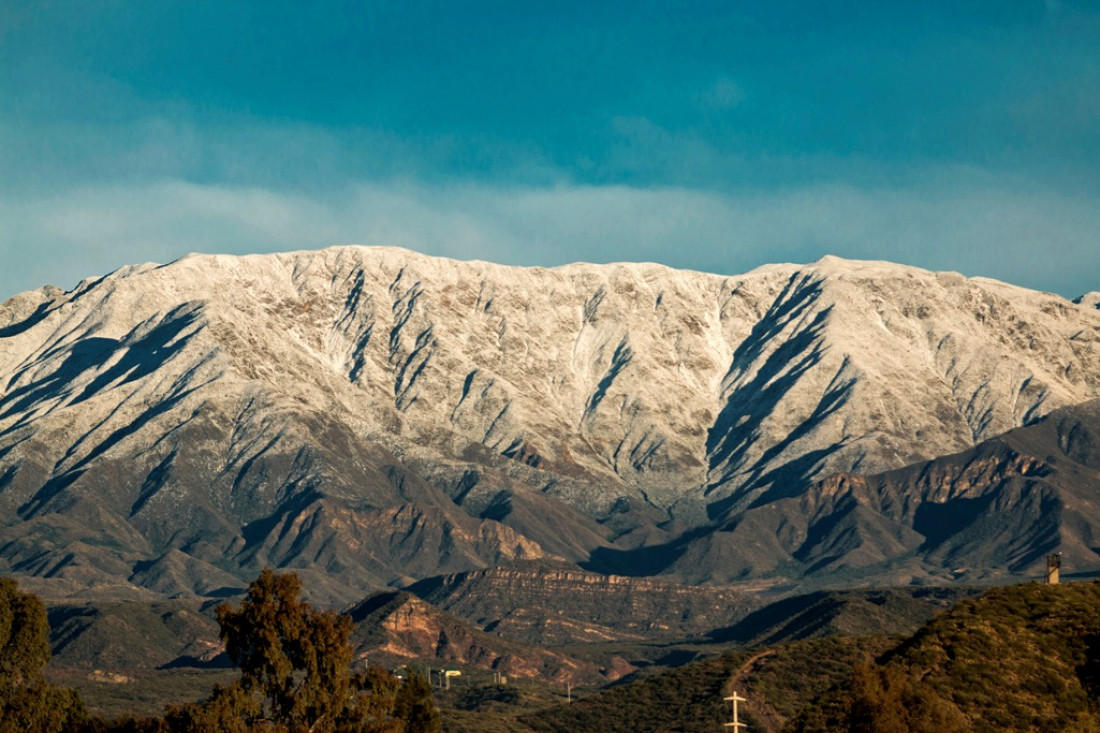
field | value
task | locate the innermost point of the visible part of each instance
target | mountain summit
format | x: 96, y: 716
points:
x: 371, y: 416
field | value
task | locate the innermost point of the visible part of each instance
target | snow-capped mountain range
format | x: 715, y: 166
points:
x: 371, y: 416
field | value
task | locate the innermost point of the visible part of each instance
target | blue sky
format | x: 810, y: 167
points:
x: 713, y: 136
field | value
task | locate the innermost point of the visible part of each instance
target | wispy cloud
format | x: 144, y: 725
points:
x: 722, y: 95
x: 1031, y: 238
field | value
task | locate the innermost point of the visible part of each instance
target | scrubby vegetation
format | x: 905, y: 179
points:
x: 778, y: 682
x: 1019, y: 658
x: 792, y: 674
x: 684, y: 699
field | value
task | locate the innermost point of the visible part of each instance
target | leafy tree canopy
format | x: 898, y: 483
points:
x: 27, y: 703
x: 295, y: 664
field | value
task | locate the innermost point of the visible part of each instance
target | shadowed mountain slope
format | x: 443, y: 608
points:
x: 992, y: 511
x: 862, y: 612
x: 133, y: 635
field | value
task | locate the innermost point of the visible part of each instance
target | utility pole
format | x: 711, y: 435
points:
x: 736, y: 725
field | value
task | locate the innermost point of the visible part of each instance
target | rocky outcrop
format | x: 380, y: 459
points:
x: 544, y: 603
x: 399, y: 628
x: 1088, y: 300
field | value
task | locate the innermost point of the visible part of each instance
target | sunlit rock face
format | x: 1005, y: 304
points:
x: 372, y: 415
x: 553, y: 603
x: 397, y: 628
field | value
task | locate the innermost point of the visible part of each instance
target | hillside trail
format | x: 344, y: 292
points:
x: 763, y: 714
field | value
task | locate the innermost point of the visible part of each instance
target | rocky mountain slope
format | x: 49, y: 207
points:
x: 371, y: 416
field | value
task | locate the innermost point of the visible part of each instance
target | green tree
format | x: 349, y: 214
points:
x: 229, y: 710
x: 374, y: 709
x: 27, y: 703
x: 297, y: 660
x: 295, y: 665
x: 414, y: 706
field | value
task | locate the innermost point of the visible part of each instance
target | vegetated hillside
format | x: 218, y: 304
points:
x: 686, y: 699
x: 541, y: 602
x: 399, y: 628
x: 776, y: 681
x: 371, y: 416
x: 1020, y: 658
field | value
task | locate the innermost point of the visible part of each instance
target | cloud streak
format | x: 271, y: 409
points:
x: 1043, y: 240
